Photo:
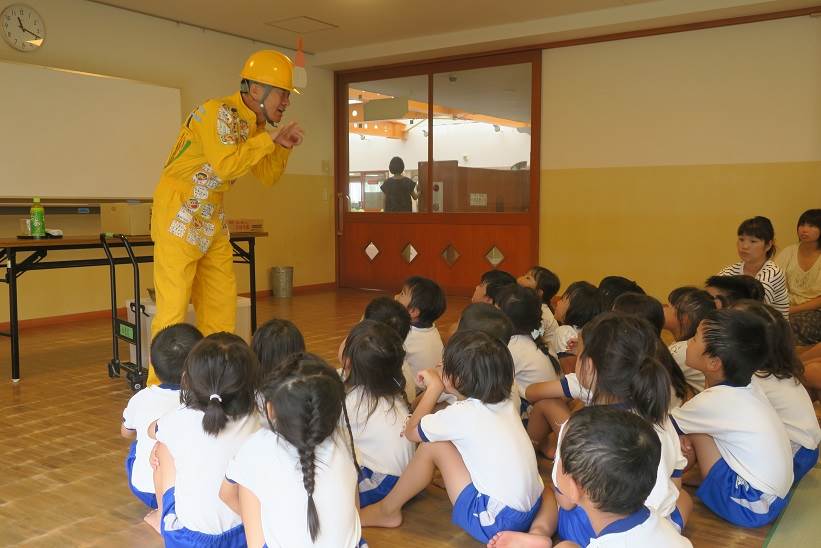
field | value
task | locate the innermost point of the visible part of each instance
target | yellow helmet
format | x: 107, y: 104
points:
x: 270, y: 67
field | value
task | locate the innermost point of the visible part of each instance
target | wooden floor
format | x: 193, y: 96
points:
x: 63, y: 481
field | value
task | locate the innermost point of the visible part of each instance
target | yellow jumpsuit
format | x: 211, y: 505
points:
x: 193, y: 258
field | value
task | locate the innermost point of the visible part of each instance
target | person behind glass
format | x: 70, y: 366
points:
x: 399, y: 190
x: 802, y: 268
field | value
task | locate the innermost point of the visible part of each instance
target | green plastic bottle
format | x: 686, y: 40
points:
x: 38, y: 219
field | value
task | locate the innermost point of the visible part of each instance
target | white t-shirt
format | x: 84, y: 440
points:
x: 662, y: 498
x: 378, y: 438
x: 803, y: 285
x: 631, y: 532
x: 496, y: 450
x: 530, y: 364
x: 747, y: 431
x: 791, y: 401
x: 694, y: 377
x: 268, y: 466
x: 572, y: 388
x: 564, y: 334
x: 144, y: 407
x: 200, y: 460
x: 423, y: 349
x: 773, y: 280
x: 550, y: 326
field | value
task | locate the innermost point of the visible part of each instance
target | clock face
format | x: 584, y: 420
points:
x: 22, y: 27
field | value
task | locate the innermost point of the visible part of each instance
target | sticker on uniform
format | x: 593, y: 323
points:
x: 224, y: 114
x: 209, y: 229
x: 197, y: 223
x: 243, y: 130
x: 192, y: 204
x: 200, y: 192
x: 184, y: 216
x: 206, y: 210
x: 226, y: 133
x: 192, y: 238
x: 200, y: 178
x: 204, y: 244
x: 177, y: 229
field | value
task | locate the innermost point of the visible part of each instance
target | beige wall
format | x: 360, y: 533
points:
x: 298, y: 211
x: 655, y: 149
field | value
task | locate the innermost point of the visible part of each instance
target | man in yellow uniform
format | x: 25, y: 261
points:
x: 221, y: 140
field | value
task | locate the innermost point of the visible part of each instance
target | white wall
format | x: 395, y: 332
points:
x: 483, y: 146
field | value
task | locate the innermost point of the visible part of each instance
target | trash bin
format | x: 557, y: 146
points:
x: 282, y: 281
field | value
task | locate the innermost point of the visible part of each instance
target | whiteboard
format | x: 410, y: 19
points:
x: 67, y: 134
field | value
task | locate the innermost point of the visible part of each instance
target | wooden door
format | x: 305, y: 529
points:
x: 476, y: 205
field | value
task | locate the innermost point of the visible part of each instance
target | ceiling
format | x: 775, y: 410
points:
x: 342, y: 32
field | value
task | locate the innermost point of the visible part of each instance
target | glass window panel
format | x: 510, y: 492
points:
x: 387, y: 119
x: 481, y: 139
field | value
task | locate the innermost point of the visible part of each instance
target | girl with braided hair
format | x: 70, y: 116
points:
x: 301, y: 467
x: 378, y: 406
x: 196, y: 441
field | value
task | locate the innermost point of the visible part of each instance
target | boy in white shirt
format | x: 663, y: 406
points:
x: 425, y: 302
x: 608, y: 468
x: 478, y: 443
x: 169, y: 349
x: 731, y: 429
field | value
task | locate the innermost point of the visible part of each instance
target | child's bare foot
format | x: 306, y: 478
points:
x: 376, y: 516
x: 512, y: 539
x: 153, y: 519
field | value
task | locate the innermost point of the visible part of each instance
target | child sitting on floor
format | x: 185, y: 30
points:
x: 609, y: 459
x: 196, y: 441
x: 490, y: 283
x: 778, y: 379
x: 478, y: 444
x: 295, y: 480
x: 731, y: 429
x: 546, y: 284
x: 425, y: 302
x: 687, y: 307
x: 580, y: 303
x: 169, y: 349
x: 392, y: 313
x: 377, y: 406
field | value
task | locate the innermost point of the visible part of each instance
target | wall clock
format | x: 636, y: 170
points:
x: 22, y: 27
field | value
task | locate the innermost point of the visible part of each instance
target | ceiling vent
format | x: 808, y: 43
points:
x: 301, y: 25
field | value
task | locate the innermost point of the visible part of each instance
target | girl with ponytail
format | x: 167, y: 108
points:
x: 621, y: 363
x: 377, y: 406
x: 295, y: 481
x: 196, y: 441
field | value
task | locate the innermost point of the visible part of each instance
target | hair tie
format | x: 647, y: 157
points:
x: 215, y: 397
x: 536, y: 333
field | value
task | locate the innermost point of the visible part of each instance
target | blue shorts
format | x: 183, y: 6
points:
x: 802, y: 462
x: 374, y: 486
x: 525, y: 408
x: 482, y: 517
x: 176, y: 535
x: 149, y: 499
x: 574, y: 525
x: 732, y: 498
x: 362, y: 544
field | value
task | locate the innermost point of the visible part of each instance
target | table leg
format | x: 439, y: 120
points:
x: 253, y: 281
x: 11, y: 278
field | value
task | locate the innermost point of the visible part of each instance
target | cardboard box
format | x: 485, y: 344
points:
x: 126, y: 218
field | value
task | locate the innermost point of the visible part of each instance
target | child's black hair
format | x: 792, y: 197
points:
x: 739, y: 339
x: 391, y: 312
x: 691, y: 306
x: 649, y: 308
x: 428, y: 297
x: 736, y: 287
x: 610, y: 287
x: 396, y: 166
x: 613, y: 455
x: 643, y: 306
x: 170, y: 347
x: 220, y: 379
x: 495, y: 281
x: 373, y: 356
x: 547, y: 282
x: 274, y: 341
x: 308, y: 399
x: 761, y: 228
x: 478, y: 366
x: 624, y: 351
x: 488, y: 319
x: 783, y: 361
x: 680, y: 292
x: 524, y: 309
x: 585, y: 303
x: 811, y: 217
